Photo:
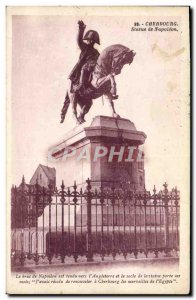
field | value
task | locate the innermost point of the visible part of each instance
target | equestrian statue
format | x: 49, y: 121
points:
x: 93, y: 75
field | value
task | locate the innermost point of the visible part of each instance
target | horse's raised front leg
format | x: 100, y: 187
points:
x: 109, y: 97
x: 98, y: 82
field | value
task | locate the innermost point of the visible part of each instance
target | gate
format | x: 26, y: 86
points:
x: 86, y: 224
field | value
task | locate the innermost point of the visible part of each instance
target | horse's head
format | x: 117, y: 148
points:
x: 126, y: 58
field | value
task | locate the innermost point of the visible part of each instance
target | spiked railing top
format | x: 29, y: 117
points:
x: 103, y: 193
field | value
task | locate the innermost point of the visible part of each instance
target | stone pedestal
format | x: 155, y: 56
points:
x: 106, y: 151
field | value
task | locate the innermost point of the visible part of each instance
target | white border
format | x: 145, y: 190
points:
x: 3, y: 4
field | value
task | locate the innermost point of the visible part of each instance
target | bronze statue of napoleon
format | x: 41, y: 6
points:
x: 93, y: 75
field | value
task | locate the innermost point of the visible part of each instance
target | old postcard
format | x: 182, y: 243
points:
x: 98, y: 150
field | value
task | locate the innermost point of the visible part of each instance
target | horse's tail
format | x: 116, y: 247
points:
x: 65, y: 107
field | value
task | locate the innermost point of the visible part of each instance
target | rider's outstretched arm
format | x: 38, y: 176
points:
x: 81, y: 29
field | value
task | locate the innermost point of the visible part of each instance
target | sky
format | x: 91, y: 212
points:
x: 152, y: 90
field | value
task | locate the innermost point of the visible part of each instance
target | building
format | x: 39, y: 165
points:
x: 44, y: 176
x: 23, y: 199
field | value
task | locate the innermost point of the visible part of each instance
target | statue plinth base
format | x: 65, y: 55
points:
x: 106, y: 151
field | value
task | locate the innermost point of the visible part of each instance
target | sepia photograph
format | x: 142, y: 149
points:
x: 98, y: 150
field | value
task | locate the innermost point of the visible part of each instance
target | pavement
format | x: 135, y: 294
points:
x: 102, y: 266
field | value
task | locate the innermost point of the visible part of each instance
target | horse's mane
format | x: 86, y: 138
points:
x: 110, y: 57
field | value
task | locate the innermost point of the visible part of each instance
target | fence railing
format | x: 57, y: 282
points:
x: 51, y: 225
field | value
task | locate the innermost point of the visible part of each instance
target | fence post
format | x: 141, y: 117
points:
x: 14, y: 224
x: 155, y: 197
x: 166, y: 200
x: 36, y: 256
x: 75, y: 200
x: 177, y: 198
x: 89, y: 229
x: 62, y: 199
x: 22, y: 204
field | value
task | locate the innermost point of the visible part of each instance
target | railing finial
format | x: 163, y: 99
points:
x: 88, y: 184
x: 165, y: 191
x: 23, y: 179
x: 165, y: 185
x: 62, y: 185
x: 75, y: 186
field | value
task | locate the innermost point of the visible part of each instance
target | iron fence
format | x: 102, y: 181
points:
x: 54, y: 225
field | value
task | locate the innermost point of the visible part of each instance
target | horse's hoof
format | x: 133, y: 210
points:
x: 80, y: 122
x: 113, y: 91
x: 116, y: 115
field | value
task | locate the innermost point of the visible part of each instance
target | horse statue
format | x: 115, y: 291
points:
x: 101, y: 82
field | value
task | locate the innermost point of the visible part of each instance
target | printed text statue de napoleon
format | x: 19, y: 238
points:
x: 93, y: 75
